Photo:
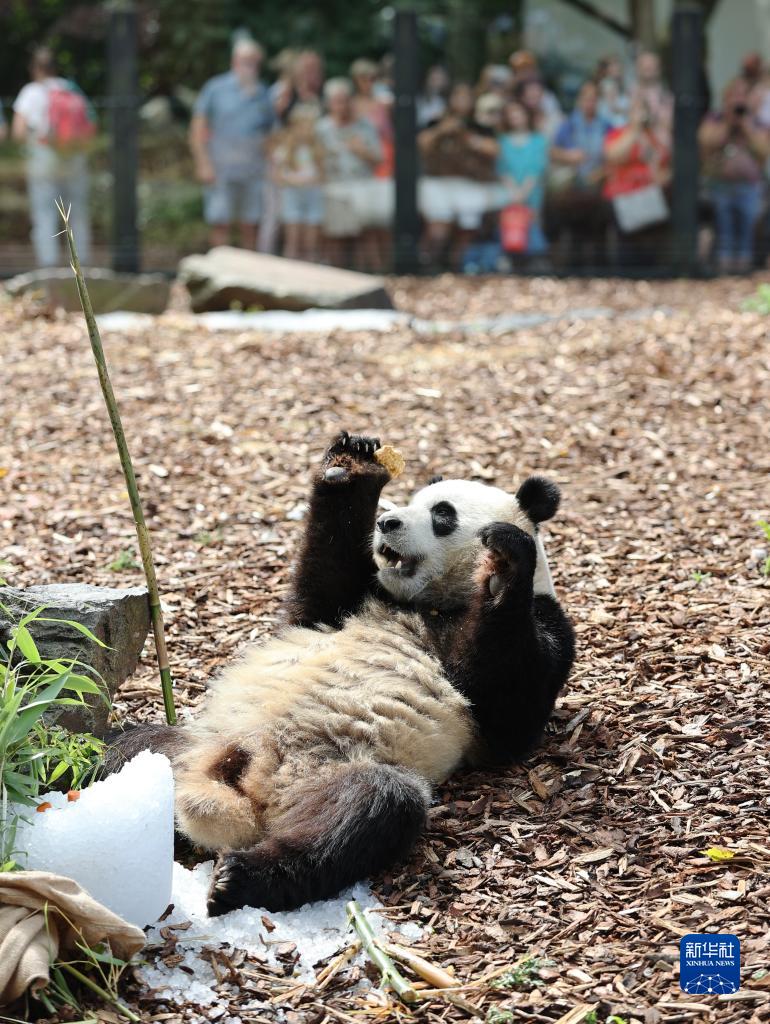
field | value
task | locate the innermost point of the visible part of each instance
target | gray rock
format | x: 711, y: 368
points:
x: 120, y: 618
x: 137, y: 293
x: 225, y: 276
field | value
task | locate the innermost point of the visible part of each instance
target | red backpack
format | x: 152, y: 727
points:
x: 70, y: 121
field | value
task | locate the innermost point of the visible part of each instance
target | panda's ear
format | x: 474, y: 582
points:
x: 435, y: 480
x: 539, y: 498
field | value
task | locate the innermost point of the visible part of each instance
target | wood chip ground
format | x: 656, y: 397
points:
x: 654, y: 418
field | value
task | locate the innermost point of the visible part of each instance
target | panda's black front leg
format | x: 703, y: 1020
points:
x: 336, y: 570
x: 514, y: 650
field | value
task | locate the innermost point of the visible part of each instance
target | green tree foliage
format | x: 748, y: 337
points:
x: 74, y: 30
x: 184, y: 42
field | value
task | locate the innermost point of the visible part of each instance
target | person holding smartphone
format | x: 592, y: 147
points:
x: 734, y: 147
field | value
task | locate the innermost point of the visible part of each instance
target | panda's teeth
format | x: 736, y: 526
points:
x: 398, y: 565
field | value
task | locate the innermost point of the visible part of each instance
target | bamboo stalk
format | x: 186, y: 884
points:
x: 436, y: 976
x: 390, y: 974
x: 142, y: 532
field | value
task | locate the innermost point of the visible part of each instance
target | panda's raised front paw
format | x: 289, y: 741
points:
x: 509, y: 558
x: 350, y: 454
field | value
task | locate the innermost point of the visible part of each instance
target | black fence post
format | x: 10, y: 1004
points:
x: 124, y: 145
x: 406, y: 233
x: 689, y: 102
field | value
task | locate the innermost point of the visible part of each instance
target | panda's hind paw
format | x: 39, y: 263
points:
x: 227, y: 889
x: 509, y: 557
x: 251, y: 878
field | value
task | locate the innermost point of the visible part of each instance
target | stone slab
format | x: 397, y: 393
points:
x: 225, y: 277
x: 119, y: 617
x: 136, y: 293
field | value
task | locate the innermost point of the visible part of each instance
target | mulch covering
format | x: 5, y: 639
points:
x: 655, y: 421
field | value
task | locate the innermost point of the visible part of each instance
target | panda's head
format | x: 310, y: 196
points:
x: 426, y: 552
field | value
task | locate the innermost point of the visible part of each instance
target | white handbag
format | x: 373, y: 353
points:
x: 640, y: 208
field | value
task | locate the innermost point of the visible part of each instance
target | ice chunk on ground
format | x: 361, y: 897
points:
x: 116, y: 840
x: 318, y: 930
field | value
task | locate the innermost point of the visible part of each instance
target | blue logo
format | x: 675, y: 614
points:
x: 709, y: 964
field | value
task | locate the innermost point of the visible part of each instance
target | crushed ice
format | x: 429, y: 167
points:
x: 318, y: 930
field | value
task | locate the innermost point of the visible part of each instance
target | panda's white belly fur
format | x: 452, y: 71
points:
x: 309, y: 699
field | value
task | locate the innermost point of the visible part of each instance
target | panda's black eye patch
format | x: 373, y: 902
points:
x: 444, y: 517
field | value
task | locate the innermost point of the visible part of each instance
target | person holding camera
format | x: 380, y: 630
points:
x: 636, y: 183
x: 734, y: 147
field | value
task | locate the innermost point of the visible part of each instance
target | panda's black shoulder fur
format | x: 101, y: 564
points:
x: 539, y: 498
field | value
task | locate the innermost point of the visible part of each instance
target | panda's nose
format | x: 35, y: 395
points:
x: 387, y: 523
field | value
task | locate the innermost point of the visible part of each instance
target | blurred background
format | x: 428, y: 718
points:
x: 568, y: 136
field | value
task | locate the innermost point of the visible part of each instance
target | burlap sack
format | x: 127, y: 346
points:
x: 41, y: 915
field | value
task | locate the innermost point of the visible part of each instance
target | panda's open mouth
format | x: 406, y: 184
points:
x: 404, y: 565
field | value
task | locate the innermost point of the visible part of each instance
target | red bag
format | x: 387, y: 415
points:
x: 514, y: 227
x: 70, y: 123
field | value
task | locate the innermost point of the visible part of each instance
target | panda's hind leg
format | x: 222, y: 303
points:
x: 357, y: 818
x: 217, y: 799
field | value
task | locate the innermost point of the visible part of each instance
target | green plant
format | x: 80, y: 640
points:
x: 701, y: 577
x: 72, y: 759
x: 104, y: 972
x: 497, y: 1016
x: 759, y: 302
x: 526, y: 973
x: 125, y: 560
x: 765, y: 528
x: 31, y: 752
x: 205, y: 537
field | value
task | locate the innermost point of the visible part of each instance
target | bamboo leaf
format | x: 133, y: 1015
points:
x: 22, y: 638
x: 82, y: 684
x: 81, y: 629
x: 58, y: 771
x: 27, y: 716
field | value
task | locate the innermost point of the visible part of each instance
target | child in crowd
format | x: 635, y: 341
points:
x: 522, y: 165
x: 297, y: 166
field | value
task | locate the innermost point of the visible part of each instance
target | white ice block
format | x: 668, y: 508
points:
x: 116, y: 840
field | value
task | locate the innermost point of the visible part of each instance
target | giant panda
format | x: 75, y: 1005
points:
x: 419, y: 638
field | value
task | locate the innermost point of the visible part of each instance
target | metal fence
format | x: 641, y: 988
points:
x: 146, y: 207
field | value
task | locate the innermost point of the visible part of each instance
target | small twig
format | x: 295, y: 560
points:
x: 102, y: 992
x: 390, y: 974
x: 325, y: 976
x: 451, y: 996
x: 142, y: 532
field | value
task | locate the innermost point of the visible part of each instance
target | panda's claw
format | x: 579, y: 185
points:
x: 226, y: 891
x: 356, y: 447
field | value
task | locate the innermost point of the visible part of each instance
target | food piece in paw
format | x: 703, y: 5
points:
x: 391, y: 459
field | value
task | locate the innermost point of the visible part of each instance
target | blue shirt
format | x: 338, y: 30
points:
x: 578, y: 133
x: 522, y: 157
x: 238, y: 121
